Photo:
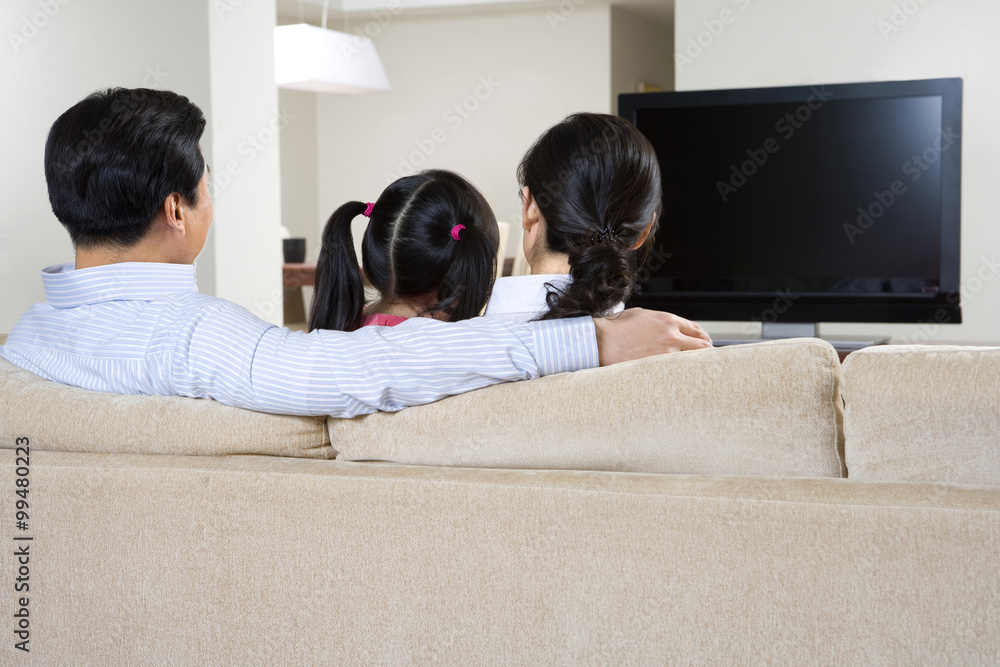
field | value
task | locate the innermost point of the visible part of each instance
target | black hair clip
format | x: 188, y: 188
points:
x: 605, y: 235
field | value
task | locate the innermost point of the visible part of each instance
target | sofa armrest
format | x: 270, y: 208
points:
x: 923, y: 413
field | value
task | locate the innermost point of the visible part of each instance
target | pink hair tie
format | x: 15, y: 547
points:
x: 368, y: 209
x: 455, y: 231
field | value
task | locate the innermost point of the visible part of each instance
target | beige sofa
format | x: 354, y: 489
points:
x: 689, y: 508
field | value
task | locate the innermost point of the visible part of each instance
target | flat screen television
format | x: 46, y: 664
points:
x: 806, y: 204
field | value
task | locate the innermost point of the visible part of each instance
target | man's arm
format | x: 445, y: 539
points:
x: 232, y: 356
x: 237, y: 359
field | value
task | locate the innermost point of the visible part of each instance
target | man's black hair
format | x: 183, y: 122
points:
x: 113, y: 158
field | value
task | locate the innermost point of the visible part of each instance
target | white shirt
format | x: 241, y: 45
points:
x: 522, y: 298
x: 143, y: 328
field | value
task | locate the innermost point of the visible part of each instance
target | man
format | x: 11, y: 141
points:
x: 127, y: 179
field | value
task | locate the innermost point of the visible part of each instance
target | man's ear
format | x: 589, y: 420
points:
x: 529, y: 210
x: 174, y: 213
x: 645, y: 233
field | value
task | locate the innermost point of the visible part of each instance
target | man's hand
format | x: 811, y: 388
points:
x: 639, y: 333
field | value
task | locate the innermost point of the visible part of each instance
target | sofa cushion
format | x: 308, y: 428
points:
x: 759, y: 409
x: 923, y: 413
x: 57, y: 417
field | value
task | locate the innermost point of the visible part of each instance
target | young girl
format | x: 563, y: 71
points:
x: 590, y: 198
x: 430, y: 250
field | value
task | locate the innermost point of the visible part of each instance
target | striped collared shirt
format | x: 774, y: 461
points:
x: 143, y: 328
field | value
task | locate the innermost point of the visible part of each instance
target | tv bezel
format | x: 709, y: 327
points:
x: 944, y: 307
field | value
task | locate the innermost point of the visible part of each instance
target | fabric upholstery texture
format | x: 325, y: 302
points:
x: 923, y: 413
x: 759, y: 409
x: 252, y: 560
x: 69, y: 419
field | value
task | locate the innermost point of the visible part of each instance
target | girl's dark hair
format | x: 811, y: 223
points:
x: 596, y: 181
x: 408, y: 251
x: 113, y: 158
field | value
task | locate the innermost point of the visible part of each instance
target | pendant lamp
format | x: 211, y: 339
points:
x: 307, y: 57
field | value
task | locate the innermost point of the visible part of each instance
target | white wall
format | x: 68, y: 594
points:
x: 790, y: 42
x: 641, y: 50
x: 529, y: 68
x: 299, y: 165
x: 246, y: 126
x: 548, y: 62
x: 299, y: 172
x: 85, y: 46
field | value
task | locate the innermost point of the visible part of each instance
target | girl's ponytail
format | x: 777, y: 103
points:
x: 468, y: 281
x: 339, y: 293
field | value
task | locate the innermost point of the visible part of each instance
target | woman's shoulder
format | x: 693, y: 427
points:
x: 522, y: 297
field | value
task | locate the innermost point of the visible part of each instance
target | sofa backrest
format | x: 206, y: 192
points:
x: 759, y: 409
x: 923, y: 413
x: 57, y: 417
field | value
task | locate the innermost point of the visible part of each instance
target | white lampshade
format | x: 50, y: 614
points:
x: 326, y: 61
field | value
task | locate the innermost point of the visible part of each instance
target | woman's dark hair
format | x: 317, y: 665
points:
x: 113, y: 158
x: 408, y: 251
x: 596, y: 181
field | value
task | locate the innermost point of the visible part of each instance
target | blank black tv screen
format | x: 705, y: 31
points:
x: 827, y: 194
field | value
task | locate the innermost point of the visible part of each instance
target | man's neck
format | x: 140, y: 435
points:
x: 87, y: 258
x: 146, y: 250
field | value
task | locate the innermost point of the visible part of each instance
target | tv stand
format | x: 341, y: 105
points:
x: 778, y: 330
x: 771, y: 330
